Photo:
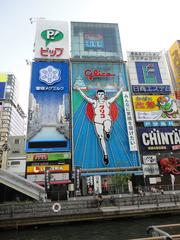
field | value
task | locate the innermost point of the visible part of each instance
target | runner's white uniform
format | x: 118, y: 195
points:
x: 101, y: 112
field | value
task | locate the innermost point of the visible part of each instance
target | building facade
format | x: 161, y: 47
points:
x: 12, y: 117
x: 156, y: 113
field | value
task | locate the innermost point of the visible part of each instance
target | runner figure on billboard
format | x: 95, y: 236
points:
x: 102, y: 118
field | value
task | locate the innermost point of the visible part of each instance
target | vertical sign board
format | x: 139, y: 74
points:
x: 174, y: 53
x: 52, y: 40
x: 130, y: 121
x: 1, y: 109
x: 49, y: 109
x: 3, y: 80
x: 99, y: 124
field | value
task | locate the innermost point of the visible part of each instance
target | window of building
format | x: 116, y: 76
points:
x: 16, y: 141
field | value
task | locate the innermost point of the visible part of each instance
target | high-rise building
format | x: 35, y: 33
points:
x: 11, y: 114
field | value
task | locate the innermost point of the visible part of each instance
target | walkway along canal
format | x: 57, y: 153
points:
x: 15, y: 215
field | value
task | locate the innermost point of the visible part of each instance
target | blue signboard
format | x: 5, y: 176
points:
x: 49, y: 108
x: 2, y: 89
x: 161, y: 89
x: 148, y: 72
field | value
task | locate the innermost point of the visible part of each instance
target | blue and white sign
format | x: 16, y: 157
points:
x: 161, y: 89
x: 49, y: 108
x: 148, y: 73
x: 2, y: 90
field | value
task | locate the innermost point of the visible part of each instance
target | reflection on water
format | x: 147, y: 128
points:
x: 119, y: 229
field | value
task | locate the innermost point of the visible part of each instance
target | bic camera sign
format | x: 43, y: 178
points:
x: 52, y: 40
x: 51, y: 35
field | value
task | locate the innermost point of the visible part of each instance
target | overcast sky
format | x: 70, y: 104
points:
x: 143, y: 25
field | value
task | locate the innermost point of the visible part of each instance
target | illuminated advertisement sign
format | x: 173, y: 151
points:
x: 155, y: 107
x: 93, y: 41
x: 99, y: 118
x: 3, y: 80
x: 174, y: 53
x: 89, y: 40
x: 52, y: 40
x: 162, y: 138
x: 161, y: 89
x: 148, y: 72
x: 55, y: 178
x: 52, y: 168
x: 49, y: 108
x: 48, y: 156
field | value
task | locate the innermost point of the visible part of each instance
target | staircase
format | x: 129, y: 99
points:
x: 22, y: 185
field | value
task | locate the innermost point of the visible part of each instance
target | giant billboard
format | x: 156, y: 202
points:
x: 49, y: 108
x: 99, y: 126
x: 159, y: 139
x: 148, y: 72
x: 51, y: 40
x: 99, y: 40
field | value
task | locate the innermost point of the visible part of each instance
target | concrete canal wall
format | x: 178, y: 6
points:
x: 15, y: 215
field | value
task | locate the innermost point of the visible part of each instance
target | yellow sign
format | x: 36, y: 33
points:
x: 174, y: 53
x: 151, y: 102
x: 3, y: 77
x: 157, y: 107
x: 53, y: 168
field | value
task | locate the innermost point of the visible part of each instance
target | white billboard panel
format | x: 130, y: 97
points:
x: 52, y: 40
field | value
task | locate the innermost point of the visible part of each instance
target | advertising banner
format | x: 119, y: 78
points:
x: 148, y: 72
x: 52, y: 168
x: 52, y: 40
x: 155, y: 107
x: 49, y: 108
x: 162, y: 138
x: 54, y: 178
x: 161, y: 89
x: 99, y: 117
x: 149, y: 159
x: 48, y: 156
x: 3, y: 80
x: 130, y: 121
x: 174, y: 53
x: 150, y: 169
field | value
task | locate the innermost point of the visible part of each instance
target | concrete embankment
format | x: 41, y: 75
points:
x: 15, y: 215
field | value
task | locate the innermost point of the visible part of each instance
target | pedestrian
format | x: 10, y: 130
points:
x: 99, y: 200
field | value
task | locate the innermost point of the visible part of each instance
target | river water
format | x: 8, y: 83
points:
x: 118, y: 229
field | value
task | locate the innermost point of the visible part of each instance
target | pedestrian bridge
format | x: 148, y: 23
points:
x: 22, y: 185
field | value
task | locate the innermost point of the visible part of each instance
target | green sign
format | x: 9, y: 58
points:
x: 51, y: 35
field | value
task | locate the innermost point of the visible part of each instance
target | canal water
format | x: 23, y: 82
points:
x: 118, y: 229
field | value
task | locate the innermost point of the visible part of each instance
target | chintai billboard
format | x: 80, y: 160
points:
x: 49, y: 108
x: 159, y: 139
x: 100, y: 134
